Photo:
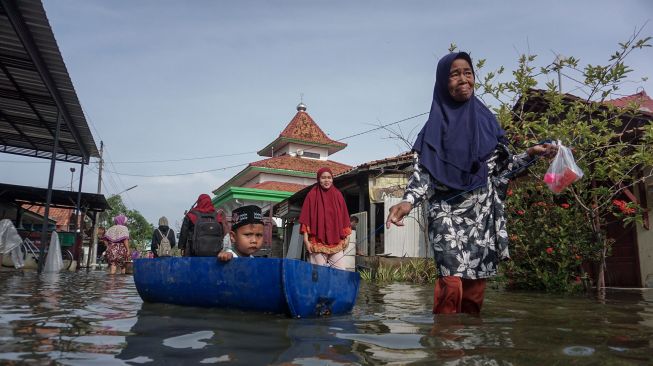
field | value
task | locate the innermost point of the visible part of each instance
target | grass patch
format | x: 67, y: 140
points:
x: 415, y: 271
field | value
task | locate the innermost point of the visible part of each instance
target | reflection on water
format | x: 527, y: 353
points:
x: 91, y: 318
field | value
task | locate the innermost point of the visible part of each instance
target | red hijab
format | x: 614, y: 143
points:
x: 203, y: 205
x: 325, y: 212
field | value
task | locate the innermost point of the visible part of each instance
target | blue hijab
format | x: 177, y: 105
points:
x: 458, y: 137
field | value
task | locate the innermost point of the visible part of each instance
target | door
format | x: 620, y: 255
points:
x: 408, y: 240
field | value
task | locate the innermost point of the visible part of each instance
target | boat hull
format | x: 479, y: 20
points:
x: 272, y: 285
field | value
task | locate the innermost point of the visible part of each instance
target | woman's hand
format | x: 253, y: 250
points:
x: 397, y: 214
x: 307, y: 244
x: 546, y: 150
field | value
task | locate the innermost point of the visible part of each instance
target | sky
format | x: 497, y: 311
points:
x: 171, y: 80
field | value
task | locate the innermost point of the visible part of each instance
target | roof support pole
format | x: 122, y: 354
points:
x: 372, y: 238
x: 78, y: 226
x: 92, y: 244
x: 48, y: 199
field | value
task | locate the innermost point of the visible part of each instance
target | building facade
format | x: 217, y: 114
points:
x: 289, y: 164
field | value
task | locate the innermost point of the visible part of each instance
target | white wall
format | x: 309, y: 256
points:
x: 266, y: 177
x: 291, y: 149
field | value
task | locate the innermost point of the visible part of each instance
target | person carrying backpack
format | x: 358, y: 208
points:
x: 203, y: 230
x: 163, y: 239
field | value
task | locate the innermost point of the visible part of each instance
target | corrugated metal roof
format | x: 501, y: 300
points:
x: 34, y: 86
x: 61, y: 199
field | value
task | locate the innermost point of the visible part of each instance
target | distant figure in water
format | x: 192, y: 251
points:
x: 325, y: 222
x: 159, y: 233
x: 203, y: 230
x: 117, y: 239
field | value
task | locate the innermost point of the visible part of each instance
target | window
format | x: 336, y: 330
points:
x: 311, y: 155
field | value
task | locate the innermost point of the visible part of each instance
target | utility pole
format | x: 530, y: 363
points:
x: 92, y: 251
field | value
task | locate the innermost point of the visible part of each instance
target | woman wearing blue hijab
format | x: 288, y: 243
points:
x: 461, y: 169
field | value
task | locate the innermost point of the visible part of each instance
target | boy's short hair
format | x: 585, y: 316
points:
x: 353, y: 218
x: 246, y: 215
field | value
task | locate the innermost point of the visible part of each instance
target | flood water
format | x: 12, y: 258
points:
x: 92, y: 318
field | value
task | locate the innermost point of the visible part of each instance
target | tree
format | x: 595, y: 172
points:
x: 613, y: 146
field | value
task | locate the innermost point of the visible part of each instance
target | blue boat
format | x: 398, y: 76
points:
x: 273, y: 285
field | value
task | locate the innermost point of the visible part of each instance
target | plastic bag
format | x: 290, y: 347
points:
x: 53, y: 261
x: 563, y: 170
x: 9, y: 238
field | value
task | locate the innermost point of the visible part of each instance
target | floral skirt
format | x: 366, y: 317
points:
x: 116, y: 254
x: 319, y: 247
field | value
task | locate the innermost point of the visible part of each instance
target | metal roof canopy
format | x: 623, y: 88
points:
x: 36, y: 90
x: 40, y: 114
x: 63, y: 199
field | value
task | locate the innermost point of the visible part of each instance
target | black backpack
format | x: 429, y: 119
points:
x: 207, y: 235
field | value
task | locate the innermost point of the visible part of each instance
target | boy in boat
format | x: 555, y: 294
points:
x: 246, y: 233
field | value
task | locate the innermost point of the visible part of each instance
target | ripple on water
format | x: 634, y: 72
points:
x: 192, y: 340
x: 223, y: 358
x: 578, y: 351
x: 100, y: 340
x: 390, y: 341
x: 418, y: 319
x: 89, y: 318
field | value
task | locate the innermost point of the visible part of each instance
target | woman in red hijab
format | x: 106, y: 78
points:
x: 203, y: 205
x: 325, y: 222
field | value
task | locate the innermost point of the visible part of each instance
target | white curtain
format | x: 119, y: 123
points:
x: 53, y: 262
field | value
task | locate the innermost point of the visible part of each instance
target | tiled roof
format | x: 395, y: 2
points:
x: 401, y: 159
x: 306, y: 165
x: 397, y: 159
x: 60, y: 215
x: 645, y: 102
x: 302, y: 127
x: 279, y: 186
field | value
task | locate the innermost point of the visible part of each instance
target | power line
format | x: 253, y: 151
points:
x: 144, y: 161
x: 119, y: 177
x: 177, y: 174
x: 383, y: 126
x: 184, y: 159
x: 243, y: 164
x: 114, y: 171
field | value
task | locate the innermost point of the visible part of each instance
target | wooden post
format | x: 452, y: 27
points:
x: 372, y: 236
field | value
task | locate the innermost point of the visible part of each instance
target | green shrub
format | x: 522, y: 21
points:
x: 549, y: 240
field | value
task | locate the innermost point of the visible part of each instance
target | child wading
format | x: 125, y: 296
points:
x: 246, y: 233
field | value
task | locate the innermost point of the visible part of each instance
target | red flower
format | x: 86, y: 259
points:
x: 577, y: 279
x: 623, y: 207
x: 540, y: 204
x: 549, y: 250
x: 564, y: 205
x: 509, y: 193
x: 578, y: 257
x: 520, y: 212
